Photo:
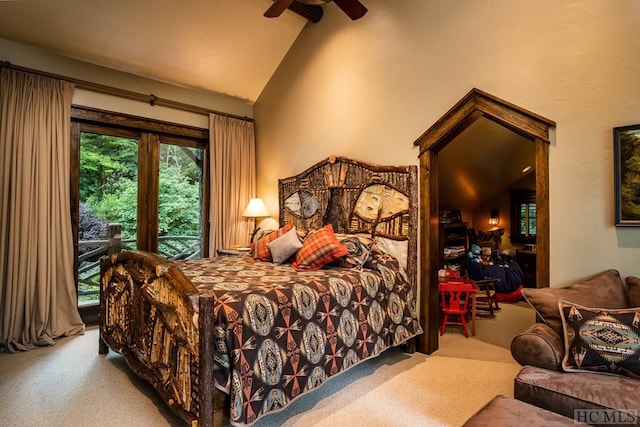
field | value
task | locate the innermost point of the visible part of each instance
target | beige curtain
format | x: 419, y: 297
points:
x: 233, y: 180
x: 37, y: 290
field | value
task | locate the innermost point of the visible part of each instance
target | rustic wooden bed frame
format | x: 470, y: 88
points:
x: 152, y: 314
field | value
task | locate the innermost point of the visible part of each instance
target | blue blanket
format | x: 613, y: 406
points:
x: 510, y: 275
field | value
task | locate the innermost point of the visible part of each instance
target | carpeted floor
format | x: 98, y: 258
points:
x: 69, y: 384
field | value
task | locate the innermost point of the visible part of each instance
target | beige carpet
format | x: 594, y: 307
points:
x: 69, y: 384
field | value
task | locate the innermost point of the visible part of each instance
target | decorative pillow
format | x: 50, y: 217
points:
x: 284, y: 246
x: 359, y: 249
x: 378, y: 257
x: 399, y: 249
x: 261, y: 250
x: 302, y: 234
x: 319, y: 249
x: 605, y: 290
x: 633, y: 285
x: 601, y: 340
x: 260, y: 233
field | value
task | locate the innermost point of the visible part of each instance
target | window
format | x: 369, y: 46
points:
x: 149, y: 178
x: 523, y: 216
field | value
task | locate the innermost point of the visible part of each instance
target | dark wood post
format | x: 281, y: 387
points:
x: 103, y: 348
x: 205, y: 324
x: 114, y: 237
x: 114, y: 234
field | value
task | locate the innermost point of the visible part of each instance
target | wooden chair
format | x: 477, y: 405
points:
x: 486, y: 297
x: 454, y: 301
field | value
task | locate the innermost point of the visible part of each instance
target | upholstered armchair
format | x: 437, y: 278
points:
x: 583, y: 351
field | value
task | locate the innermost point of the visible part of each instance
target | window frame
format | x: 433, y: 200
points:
x: 150, y: 134
x: 517, y: 199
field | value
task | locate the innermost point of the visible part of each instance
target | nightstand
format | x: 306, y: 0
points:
x: 233, y: 251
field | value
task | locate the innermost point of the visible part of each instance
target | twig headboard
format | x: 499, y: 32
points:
x: 355, y: 197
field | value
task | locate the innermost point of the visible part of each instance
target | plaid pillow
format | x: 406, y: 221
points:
x: 319, y: 249
x: 260, y: 233
x: 261, y: 250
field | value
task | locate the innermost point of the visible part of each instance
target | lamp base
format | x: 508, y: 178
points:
x: 255, y: 230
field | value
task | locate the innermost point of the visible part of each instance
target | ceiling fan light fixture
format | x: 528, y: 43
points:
x: 315, y: 2
x: 353, y: 8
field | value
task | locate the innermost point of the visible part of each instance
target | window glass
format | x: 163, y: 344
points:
x: 180, y: 202
x: 108, y: 195
x: 135, y: 184
x: 524, y: 216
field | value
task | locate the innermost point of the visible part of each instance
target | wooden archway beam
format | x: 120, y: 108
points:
x: 478, y: 104
x: 471, y: 107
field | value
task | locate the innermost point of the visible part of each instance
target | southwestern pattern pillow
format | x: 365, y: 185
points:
x: 319, y: 249
x: 380, y: 257
x: 601, y: 340
x: 359, y: 249
x: 261, y: 250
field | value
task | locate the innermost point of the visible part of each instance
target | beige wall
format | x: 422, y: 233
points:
x: 29, y: 57
x: 369, y: 88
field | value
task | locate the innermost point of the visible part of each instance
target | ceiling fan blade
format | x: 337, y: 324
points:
x: 353, y: 8
x: 277, y: 8
x: 312, y: 12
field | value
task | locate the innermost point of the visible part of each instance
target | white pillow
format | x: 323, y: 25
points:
x: 285, y: 246
x: 396, y: 248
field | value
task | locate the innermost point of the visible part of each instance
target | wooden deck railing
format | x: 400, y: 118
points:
x: 170, y: 247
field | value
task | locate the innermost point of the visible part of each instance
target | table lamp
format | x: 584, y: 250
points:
x: 255, y: 209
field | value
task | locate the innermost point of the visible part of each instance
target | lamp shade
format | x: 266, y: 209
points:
x: 255, y: 209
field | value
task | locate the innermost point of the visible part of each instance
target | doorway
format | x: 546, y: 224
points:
x: 475, y: 105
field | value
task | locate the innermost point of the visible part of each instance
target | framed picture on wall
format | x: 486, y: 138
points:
x: 626, y: 155
x: 449, y: 217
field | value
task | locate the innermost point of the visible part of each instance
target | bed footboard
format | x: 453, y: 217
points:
x: 152, y: 315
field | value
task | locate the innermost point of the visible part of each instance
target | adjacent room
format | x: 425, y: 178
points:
x: 319, y: 212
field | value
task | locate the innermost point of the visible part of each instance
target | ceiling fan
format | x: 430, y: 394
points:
x: 311, y: 9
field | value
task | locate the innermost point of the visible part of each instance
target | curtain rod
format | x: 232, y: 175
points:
x: 110, y: 90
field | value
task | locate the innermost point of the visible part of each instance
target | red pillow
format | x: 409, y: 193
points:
x: 261, y: 251
x: 319, y: 249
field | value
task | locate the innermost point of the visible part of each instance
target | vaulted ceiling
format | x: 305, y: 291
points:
x: 224, y: 46
x: 480, y: 163
x: 229, y: 47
